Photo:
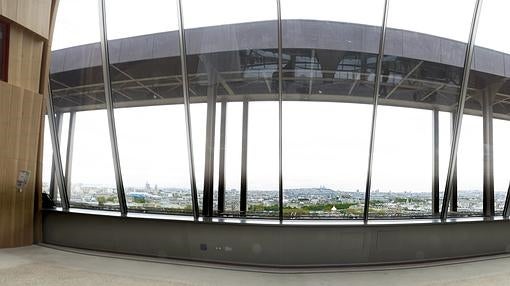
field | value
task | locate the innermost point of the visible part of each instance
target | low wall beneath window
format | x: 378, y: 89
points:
x: 278, y: 245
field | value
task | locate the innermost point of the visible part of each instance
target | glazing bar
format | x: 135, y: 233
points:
x: 380, y: 58
x: 460, y: 110
x: 109, y: 109
x: 186, y: 90
x: 280, y: 110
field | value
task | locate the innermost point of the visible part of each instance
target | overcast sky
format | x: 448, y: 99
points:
x: 324, y: 143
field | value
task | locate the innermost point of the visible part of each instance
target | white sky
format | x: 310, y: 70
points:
x: 324, y: 143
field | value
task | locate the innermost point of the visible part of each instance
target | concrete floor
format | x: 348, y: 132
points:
x: 38, y: 265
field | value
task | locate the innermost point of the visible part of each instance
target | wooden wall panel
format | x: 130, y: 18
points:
x: 31, y: 14
x: 21, y: 118
x: 25, y: 56
x: 20, y: 127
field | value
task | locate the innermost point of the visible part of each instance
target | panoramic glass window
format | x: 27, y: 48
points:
x: 231, y: 57
x: 76, y: 81
x: 329, y: 57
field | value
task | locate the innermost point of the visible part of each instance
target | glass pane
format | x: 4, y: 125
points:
x: 62, y: 122
x: 402, y: 168
x: 325, y: 158
x: 488, y: 95
x: 77, y: 86
x: 422, y: 69
x: 501, y: 162
x: 493, y: 17
x: 329, y: 57
x: 263, y: 159
x: 231, y: 58
x: 330, y: 48
x: 145, y: 73
x: 403, y: 15
x: 233, y: 151
x: 445, y: 143
x: 198, y: 122
x: 424, y: 59
x: 470, y: 167
x: 47, y: 158
x: 92, y: 178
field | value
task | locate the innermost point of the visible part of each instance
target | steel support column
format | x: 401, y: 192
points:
x: 57, y: 160
x: 186, y: 91
x: 207, y: 203
x: 460, y: 109
x: 69, y: 151
x: 221, y: 163
x: 377, y: 81
x: 244, y: 161
x: 280, y: 110
x: 454, y: 200
x: 488, y: 153
x: 109, y: 109
x: 435, y: 162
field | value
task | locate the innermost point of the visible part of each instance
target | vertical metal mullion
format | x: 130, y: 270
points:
x: 207, y: 208
x: 488, y: 154
x: 377, y: 80
x: 53, y: 176
x: 460, y: 108
x: 69, y: 151
x: 109, y: 109
x: 57, y: 160
x: 280, y: 110
x: 185, y: 90
x: 435, y: 162
x: 244, y: 161
x: 221, y: 171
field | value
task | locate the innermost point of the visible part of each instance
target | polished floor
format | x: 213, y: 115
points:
x: 40, y: 265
